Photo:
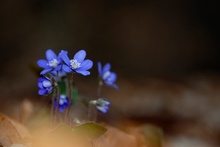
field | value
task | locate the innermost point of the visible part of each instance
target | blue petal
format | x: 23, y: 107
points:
x: 45, y: 71
x: 67, y: 69
x: 103, y: 101
x: 112, y: 77
x: 107, y: 102
x: 62, y: 73
x: 85, y: 65
x: 100, y: 68
x: 40, y: 85
x: 41, y: 79
x: 85, y: 73
x: 102, y: 109
x: 50, y: 55
x: 115, y: 86
x: 64, y: 57
x: 80, y: 56
x: 111, y: 84
x: 46, y: 84
x: 65, y: 104
x: 58, y: 68
x: 110, y: 81
x: 106, y: 75
x: 106, y: 68
x: 61, y: 109
x: 43, y: 63
x: 42, y: 91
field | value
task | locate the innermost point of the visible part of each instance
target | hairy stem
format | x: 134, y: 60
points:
x: 92, y: 113
x: 58, y: 101
x: 99, y: 88
x: 52, y: 107
x: 70, y: 98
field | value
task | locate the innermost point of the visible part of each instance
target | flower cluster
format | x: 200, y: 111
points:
x: 57, y: 67
x: 62, y: 62
x: 54, y: 77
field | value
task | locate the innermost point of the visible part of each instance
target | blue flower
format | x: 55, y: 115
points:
x: 102, y: 105
x: 108, y: 77
x: 45, y: 86
x: 53, y: 63
x: 78, y: 64
x: 63, y: 103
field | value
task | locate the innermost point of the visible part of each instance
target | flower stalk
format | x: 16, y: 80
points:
x: 57, y: 77
x: 92, y: 113
x: 70, y: 98
x: 52, y: 107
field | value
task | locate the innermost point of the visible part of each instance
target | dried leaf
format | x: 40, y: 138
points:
x: 63, y: 135
x: 116, y: 138
x: 12, y: 132
x: 147, y: 135
x: 153, y: 135
x: 90, y: 130
x: 18, y: 145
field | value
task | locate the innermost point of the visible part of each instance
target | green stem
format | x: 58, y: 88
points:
x: 57, y: 95
x: 99, y: 88
x: 92, y: 113
x: 52, y: 107
x: 58, y: 101
x: 70, y: 97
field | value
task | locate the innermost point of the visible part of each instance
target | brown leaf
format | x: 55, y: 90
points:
x: 116, y: 138
x: 18, y: 145
x: 147, y: 135
x: 12, y: 132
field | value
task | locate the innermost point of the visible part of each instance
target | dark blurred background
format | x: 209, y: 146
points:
x: 140, y: 38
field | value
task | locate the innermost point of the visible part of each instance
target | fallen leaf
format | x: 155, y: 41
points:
x: 147, y: 135
x: 63, y: 135
x: 12, y: 132
x: 18, y: 145
x: 90, y: 130
x: 115, y: 138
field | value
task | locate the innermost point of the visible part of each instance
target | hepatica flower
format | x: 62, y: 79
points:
x: 102, y: 105
x: 78, y: 64
x: 45, y: 86
x: 53, y: 63
x: 108, y: 77
x: 63, y: 103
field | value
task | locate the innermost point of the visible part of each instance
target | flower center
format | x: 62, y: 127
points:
x: 53, y: 63
x: 75, y: 64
